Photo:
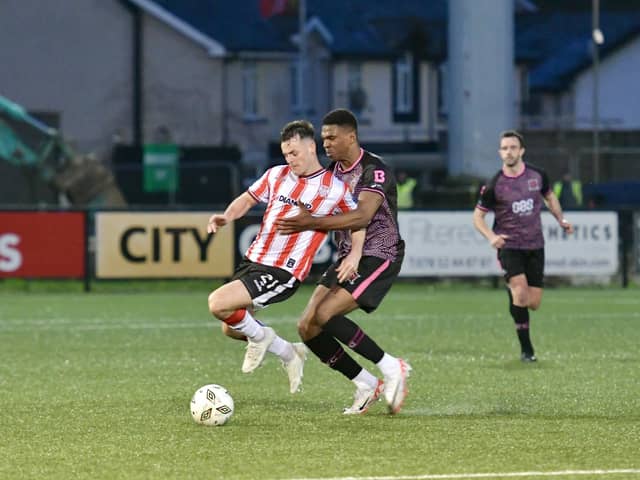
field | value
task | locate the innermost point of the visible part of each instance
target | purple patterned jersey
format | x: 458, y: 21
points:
x: 517, y: 202
x: 382, y: 239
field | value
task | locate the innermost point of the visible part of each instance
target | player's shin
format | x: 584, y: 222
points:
x: 329, y: 351
x: 521, y: 318
x: 354, y: 337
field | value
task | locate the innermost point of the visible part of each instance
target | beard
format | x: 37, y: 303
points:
x: 511, y: 161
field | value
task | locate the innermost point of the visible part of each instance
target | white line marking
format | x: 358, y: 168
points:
x: 445, y: 476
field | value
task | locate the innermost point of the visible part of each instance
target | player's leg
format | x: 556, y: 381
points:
x: 330, y: 352
x: 535, y: 278
x: 519, y: 310
x: 366, y: 290
x: 535, y: 298
x: 230, y: 304
x: 231, y: 333
x: 513, y: 263
x: 534, y: 272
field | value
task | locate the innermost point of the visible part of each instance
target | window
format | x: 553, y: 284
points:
x: 443, y: 90
x: 249, y: 89
x: 524, y: 85
x: 405, y: 89
x: 357, y: 97
x: 301, y: 87
x: 296, y: 100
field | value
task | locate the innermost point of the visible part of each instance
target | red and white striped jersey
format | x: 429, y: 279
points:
x: 322, y: 193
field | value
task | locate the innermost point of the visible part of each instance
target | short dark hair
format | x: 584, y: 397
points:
x: 302, y: 128
x: 341, y: 117
x: 514, y: 134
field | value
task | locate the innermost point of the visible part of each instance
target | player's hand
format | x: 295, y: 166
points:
x: 348, y: 267
x: 498, y: 241
x: 566, y: 226
x: 215, y: 221
x: 298, y: 223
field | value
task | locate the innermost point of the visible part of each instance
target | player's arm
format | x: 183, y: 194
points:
x: 236, y: 209
x: 349, y: 264
x: 368, y: 204
x: 479, y: 221
x: 553, y: 204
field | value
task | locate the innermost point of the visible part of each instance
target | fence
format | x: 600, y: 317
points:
x: 164, y: 244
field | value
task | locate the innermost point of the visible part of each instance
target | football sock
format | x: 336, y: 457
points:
x: 365, y: 378
x: 242, y: 321
x: 329, y: 351
x: 354, y: 337
x: 282, y: 348
x: 388, y: 365
x: 521, y: 318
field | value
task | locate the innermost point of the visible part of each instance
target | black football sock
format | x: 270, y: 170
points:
x: 354, y: 337
x: 329, y: 351
x: 521, y: 318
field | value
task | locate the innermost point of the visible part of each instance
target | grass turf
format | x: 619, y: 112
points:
x: 98, y: 386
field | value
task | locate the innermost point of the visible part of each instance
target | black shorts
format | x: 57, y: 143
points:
x: 373, y: 281
x: 530, y: 262
x: 265, y: 284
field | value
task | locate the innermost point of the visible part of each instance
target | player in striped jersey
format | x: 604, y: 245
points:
x: 275, y: 264
x: 370, y: 276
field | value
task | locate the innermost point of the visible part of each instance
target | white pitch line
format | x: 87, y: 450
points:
x: 449, y: 476
x: 14, y: 325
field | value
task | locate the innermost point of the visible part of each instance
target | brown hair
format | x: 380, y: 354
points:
x: 301, y: 128
x: 513, y: 133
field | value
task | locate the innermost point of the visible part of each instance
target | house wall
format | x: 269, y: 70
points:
x: 275, y: 83
x: 619, y: 84
x: 376, y: 121
x: 183, y: 87
x: 253, y: 134
x: 73, y: 59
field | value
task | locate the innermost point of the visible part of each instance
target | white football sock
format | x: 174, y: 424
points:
x: 365, y: 378
x: 250, y: 327
x: 388, y: 365
x: 282, y: 348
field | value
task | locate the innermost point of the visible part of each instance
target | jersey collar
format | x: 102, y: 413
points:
x: 354, y: 165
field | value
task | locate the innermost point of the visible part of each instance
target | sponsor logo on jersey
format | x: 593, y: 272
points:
x: 291, y: 201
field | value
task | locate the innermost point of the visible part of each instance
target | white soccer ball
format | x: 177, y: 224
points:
x: 211, y: 405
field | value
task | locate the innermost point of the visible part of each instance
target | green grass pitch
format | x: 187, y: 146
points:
x: 98, y: 386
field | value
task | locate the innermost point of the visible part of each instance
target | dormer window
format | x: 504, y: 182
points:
x: 250, y: 90
x: 405, y: 89
x: 357, y: 97
x: 301, y: 87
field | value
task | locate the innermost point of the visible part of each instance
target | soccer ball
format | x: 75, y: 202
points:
x: 211, y: 405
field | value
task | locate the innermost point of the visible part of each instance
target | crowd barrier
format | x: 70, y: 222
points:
x: 95, y: 245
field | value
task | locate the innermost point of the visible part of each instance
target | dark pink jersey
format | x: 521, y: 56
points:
x: 517, y: 203
x: 382, y: 238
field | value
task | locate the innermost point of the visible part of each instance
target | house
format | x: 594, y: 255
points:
x: 209, y: 72
x: 555, y: 49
